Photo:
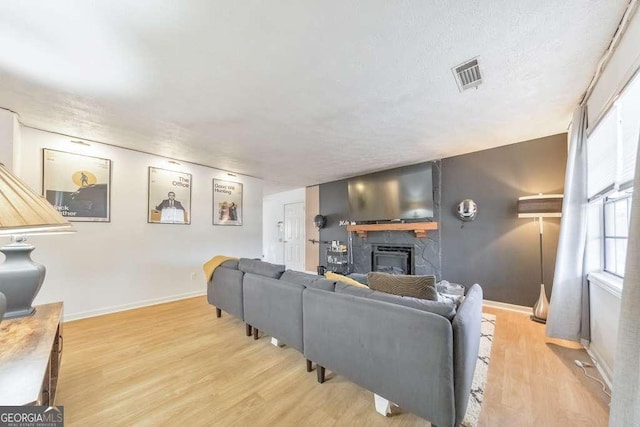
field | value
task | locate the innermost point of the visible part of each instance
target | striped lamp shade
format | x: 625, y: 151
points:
x: 545, y: 205
x: 23, y: 211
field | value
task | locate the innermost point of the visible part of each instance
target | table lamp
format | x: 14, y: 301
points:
x: 23, y: 212
x: 540, y: 206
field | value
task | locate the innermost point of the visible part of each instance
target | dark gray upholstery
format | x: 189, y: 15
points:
x: 446, y: 309
x: 466, y: 342
x: 299, y: 277
x: 224, y: 290
x: 261, y: 268
x: 323, y: 284
x: 274, y: 307
x: 402, y: 354
x: 230, y: 263
x: 358, y: 277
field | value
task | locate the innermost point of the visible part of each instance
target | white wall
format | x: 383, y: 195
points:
x: 9, y: 136
x: 273, y: 211
x: 127, y: 263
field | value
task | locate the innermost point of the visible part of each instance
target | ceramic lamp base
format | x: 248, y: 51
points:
x: 20, y: 279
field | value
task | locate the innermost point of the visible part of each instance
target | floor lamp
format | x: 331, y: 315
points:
x: 23, y: 212
x: 540, y: 206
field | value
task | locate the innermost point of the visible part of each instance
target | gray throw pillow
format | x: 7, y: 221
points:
x: 422, y: 287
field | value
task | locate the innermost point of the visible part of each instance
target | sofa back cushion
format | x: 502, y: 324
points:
x: 445, y: 309
x: 230, y: 263
x: 344, y: 279
x: 344, y: 288
x: 299, y: 277
x: 423, y: 287
x: 467, y: 327
x: 261, y: 268
x: 323, y: 284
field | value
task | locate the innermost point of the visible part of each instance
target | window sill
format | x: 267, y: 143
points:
x: 606, y: 281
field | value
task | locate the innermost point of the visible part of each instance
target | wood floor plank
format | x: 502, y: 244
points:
x: 176, y: 363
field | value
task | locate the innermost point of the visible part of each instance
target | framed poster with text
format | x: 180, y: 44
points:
x: 227, y: 202
x: 169, y: 197
x: 78, y: 186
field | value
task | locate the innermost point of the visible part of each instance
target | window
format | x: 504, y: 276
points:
x: 611, y: 156
x: 616, y: 215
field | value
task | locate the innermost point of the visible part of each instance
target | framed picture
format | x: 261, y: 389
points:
x: 169, y: 197
x: 78, y: 186
x: 227, y: 202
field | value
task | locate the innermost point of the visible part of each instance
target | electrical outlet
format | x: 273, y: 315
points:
x: 193, y: 276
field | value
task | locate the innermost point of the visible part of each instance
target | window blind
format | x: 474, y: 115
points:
x: 602, y: 155
x: 630, y: 128
x: 612, y: 146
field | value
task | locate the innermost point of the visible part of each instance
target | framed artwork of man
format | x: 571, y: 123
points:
x: 169, y: 200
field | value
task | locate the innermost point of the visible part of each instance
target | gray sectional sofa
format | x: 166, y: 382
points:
x: 418, y: 354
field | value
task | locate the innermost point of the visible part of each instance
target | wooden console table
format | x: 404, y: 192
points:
x: 30, y: 352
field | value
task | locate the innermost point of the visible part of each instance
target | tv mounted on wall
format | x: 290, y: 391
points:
x: 404, y: 193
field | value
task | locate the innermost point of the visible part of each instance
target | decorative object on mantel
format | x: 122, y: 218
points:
x: 319, y: 221
x: 538, y: 207
x: 23, y: 212
x: 419, y: 228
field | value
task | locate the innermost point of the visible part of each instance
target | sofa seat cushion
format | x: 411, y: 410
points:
x: 299, y: 277
x: 422, y: 287
x: 261, y: 268
x: 445, y: 309
x: 344, y: 279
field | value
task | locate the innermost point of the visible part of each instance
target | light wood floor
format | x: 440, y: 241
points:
x: 176, y: 364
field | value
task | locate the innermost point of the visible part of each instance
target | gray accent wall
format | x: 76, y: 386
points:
x: 498, y: 250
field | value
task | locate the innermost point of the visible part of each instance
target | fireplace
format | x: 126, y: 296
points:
x: 393, y: 259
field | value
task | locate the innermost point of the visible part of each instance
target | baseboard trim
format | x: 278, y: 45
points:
x: 506, y: 306
x: 602, y: 367
x: 131, y: 306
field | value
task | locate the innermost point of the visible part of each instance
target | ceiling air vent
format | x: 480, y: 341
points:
x: 468, y: 75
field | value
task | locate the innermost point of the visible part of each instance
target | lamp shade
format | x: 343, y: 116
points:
x: 541, y: 205
x: 23, y: 211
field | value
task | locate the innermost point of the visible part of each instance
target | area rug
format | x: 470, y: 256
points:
x: 480, y: 375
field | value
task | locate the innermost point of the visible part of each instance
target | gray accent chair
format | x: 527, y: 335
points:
x: 417, y: 359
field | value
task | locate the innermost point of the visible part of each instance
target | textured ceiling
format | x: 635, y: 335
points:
x: 300, y: 92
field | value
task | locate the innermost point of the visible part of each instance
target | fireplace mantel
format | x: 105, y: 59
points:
x: 419, y: 228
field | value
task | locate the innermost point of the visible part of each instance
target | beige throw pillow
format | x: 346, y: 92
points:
x: 423, y: 287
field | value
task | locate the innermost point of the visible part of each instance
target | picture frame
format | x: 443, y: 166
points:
x: 227, y: 202
x: 169, y: 197
x: 77, y: 186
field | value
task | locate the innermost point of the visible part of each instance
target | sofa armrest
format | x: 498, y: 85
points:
x: 466, y: 342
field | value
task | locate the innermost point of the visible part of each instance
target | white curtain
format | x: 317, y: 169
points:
x: 625, y: 403
x: 568, y: 312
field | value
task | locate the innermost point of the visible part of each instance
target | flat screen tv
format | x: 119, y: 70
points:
x: 397, y: 194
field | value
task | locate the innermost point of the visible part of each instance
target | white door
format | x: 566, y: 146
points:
x: 294, y: 236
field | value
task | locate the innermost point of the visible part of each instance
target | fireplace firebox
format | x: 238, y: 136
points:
x: 393, y: 259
